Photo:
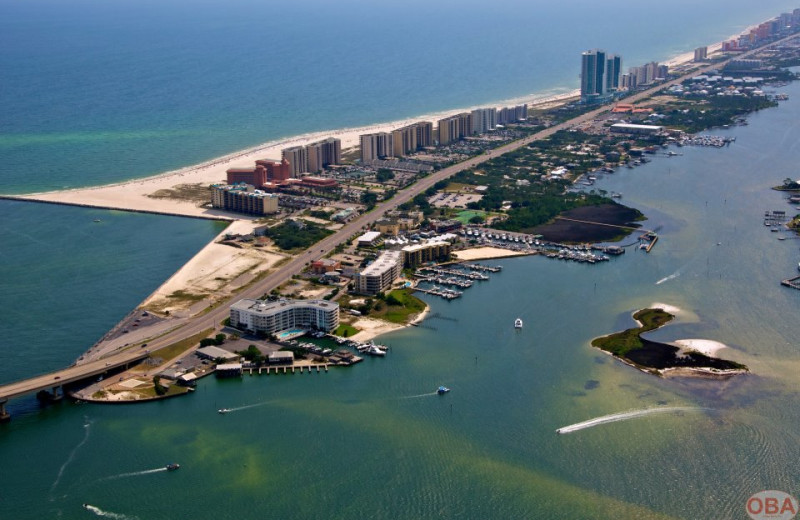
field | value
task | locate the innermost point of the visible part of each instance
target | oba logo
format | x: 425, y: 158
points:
x: 772, y: 505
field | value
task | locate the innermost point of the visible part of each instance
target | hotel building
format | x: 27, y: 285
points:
x: 404, y: 140
x: 380, y: 274
x: 243, y: 198
x: 455, y: 127
x: 376, y: 146
x: 297, y: 156
x: 323, y: 153
x: 271, y: 317
x: 593, y: 67
x: 484, y: 120
x: 418, y: 254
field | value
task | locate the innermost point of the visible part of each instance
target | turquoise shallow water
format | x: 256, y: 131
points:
x: 374, y: 441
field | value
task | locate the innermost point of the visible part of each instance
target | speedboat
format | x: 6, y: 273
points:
x: 518, y: 323
x: 173, y: 466
x: 442, y: 390
x: 224, y: 410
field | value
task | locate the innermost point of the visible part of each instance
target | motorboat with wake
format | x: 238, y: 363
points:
x: 442, y: 390
x: 173, y: 466
x: 223, y: 410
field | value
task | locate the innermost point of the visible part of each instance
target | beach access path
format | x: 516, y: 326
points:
x: 274, y: 279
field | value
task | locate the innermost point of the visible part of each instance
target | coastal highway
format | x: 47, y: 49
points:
x: 217, y: 314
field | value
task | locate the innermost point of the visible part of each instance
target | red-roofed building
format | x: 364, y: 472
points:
x: 318, y: 182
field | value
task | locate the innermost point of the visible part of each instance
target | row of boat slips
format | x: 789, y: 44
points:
x: 532, y: 244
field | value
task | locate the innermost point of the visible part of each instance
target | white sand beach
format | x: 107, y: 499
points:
x: 370, y: 328
x: 133, y: 194
x: 704, y: 346
x: 666, y: 308
x: 484, y: 253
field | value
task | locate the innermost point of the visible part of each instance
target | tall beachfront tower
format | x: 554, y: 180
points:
x: 593, y: 67
x: 613, y: 72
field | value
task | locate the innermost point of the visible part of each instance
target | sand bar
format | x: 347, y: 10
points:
x: 704, y: 346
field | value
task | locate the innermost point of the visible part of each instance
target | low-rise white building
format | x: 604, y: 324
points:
x: 380, y: 274
x: 272, y: 317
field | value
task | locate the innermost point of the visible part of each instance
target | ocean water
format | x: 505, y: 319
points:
x: 100, y: 92
x: 97, y: 92
x: 67, y: 279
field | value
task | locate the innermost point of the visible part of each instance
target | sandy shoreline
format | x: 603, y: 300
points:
x: 132, y: 194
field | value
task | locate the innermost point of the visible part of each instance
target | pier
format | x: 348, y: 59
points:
x: 287, y: 369
x: 447, y: 294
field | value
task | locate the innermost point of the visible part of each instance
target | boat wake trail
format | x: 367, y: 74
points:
x: 670, y: 277
x: 87, y: 426
x: 624, y: 416
x: 107, y: 514
x: 418, y: 396
x: 136, y: 473
x: 247, y: 407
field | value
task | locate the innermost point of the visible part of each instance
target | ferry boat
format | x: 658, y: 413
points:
x: 518, y: 323
x: 173, y: 466
x: 442, y: 390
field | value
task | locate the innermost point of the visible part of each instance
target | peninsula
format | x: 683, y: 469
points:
x: 575, y: 131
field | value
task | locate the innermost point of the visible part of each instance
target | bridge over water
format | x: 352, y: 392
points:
x: 54, y: 381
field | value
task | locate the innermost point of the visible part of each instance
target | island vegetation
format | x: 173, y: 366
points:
x: 655, y: 357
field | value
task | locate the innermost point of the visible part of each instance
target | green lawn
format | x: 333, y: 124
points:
x: 344, y: 330
x: 464, y: 216
x: 399, y: 306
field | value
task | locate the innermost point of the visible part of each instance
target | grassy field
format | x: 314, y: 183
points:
x: 464, y: 216
x: 344, y: 330
x: 171, y: 351
x: 399, y: 306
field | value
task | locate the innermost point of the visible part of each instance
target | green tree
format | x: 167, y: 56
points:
x: 159, y: 388
x: 384, y: 175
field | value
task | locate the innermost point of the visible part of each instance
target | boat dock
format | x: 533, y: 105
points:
x: 458, y: 274
x: 455, y: 282
x: 447, y: 294
x: 483, y: 268
x: 286, y: 369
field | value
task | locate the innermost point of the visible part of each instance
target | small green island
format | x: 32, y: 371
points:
x: 662, y: 358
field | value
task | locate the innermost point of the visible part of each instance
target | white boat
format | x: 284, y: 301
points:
x: 223, y: 410
x: 442, y: 390
x: 518, y: 323
x: 374, y: 350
